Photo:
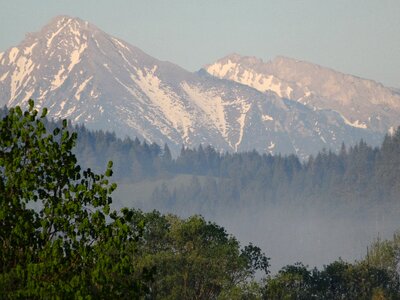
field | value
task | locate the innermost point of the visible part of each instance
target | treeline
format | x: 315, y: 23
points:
x: 377, y: 276
x: 356, y: 176
x: 358, y: 172
x: 359, y: 175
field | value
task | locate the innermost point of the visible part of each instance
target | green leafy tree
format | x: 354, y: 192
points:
x: 57, y: 235
x: 385, y: 254
x: 338, y: 280
x: 195, y: 259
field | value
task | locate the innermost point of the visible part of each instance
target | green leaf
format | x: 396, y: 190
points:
x: 44, y: 112
x: 31, y: 104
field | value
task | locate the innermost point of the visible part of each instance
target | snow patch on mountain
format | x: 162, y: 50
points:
x: 241, y: 120
x: 76, y: 56
x: 28, y: 50
x: 235, y: 72
x: 165, y: 101
x: 120, y: 44
x: 13, y: 54
x: 54, y: 34
x: 81, y: 88
x: 260, y: 82
x: 271, y: 146
x: 22, y: 71
x: 58, y: 78
x: 356, y: 123
x: 4, y: 76
x: 221, y: 70
x: 267, y: 118
x: 212, y: 106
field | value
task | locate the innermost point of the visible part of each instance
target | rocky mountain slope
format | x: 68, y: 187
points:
x: 81, y: 73
x: 362, y: 103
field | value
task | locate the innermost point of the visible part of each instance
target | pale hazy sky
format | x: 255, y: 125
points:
x: 359, y: 37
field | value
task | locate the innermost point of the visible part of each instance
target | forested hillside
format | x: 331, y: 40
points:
x: 358, y: 175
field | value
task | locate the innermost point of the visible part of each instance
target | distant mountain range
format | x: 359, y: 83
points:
x: 362, y: 103
x: 236, y: 104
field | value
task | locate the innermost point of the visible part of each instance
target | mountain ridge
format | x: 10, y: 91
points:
x: 316, y: 86
x: 81, y: 73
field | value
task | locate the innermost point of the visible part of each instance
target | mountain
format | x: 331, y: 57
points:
x: 362, y: 103
x: 81, y: 73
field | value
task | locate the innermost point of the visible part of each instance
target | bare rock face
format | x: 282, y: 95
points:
x: 81, y: 73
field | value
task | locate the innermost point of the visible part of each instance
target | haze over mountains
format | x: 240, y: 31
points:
x: 236, y: 104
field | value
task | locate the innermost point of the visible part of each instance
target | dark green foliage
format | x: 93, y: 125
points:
x: 55, y: 240
x: 133, y: 160
x: 339, y: 280
x: 194, y: 259
x: 385, y: 254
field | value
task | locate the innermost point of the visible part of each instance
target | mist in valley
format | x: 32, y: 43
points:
x: 289, y: 233
x: 331, y: 206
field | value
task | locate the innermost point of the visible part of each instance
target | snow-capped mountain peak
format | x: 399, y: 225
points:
x: 81, y: 73
x: 362, y: 103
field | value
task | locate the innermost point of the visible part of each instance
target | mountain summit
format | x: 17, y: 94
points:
x: 81, y: 73
x: 362, y: 103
